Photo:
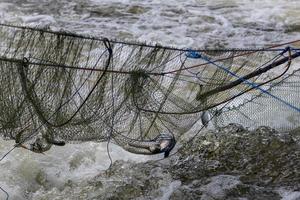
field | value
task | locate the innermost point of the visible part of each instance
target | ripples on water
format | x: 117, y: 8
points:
x: 180, y: 23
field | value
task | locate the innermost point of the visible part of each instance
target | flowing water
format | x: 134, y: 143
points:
x: 179, y: 23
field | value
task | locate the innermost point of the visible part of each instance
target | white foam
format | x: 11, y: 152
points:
x: 289, y: 194
x: 38, y: 19
x: 168, y: 191
x: 73, y: 162
x: 218, y: 186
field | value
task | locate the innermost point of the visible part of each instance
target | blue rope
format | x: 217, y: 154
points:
x: 197, y: 55
x: 193, y: 54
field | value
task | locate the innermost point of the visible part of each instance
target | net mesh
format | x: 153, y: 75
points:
x: 58, y: 86
x: 261, y: 110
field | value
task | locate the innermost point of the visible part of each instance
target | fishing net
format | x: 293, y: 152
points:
x: 59, y: 87
x: 263, y: 110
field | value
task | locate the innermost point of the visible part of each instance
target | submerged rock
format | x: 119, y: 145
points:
x: 231, y: 163
x: 262, y: 157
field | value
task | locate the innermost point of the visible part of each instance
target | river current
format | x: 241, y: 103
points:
x: 178, y: 23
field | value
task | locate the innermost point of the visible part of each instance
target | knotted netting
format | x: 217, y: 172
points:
x: 59, y: 87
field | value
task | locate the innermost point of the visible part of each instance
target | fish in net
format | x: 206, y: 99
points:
x: 59, y: 87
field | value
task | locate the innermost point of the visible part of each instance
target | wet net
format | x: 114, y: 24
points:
x: 58, y: 87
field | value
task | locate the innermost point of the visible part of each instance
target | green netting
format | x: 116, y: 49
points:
x: 58, y: 87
